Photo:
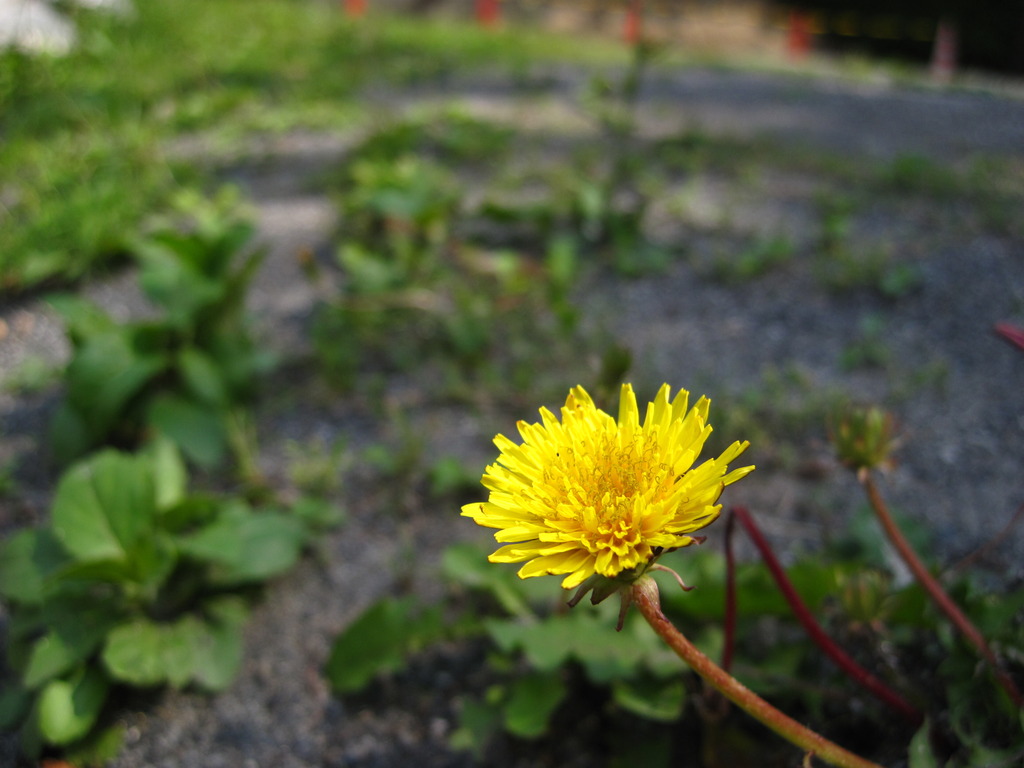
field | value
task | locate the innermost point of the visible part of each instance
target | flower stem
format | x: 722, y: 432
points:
x: 645, y: 595
x: 855, y: 672
x: 934, y: 589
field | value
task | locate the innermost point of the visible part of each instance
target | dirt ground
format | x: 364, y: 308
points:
x: 955, y: 388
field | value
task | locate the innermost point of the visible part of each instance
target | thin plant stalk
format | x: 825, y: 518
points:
x: 934, y: 589
x: 644, y: 594
x: 852, y: 669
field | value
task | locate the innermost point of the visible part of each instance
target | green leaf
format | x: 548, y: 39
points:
x: 547, y: 645
x: 104, y: 375
x: 648, y: 697
x: 378, y: 642
x: 173, y: 283
x: 84, y: 319
x: 197, y: 429
x: 134, y: 653
x: 104, y: 506
x: 170, y: 476
x: 478, y: 722
x: 467, y: 564
x: 217, y: 654
x: 97, y: 748
x: 54, y: 654
x: 181, y: 642
x: 317, y: 513
x: 587, y: 635
x: 68, y: 709
x: 532, y: 699
x: 192, y: 511
x: 208, y: 652
x: 919, y: 753
x: 144, y: 652
x: 75, y: 626
x: 248, y: 546
x: 27, y: 560
x: 202, y: 377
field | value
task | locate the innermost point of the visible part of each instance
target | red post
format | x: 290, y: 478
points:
x: 944, y: 52
x: 632, y: 30
x: 354, y: 8
x: 798, y: 41
x: 488, y: 12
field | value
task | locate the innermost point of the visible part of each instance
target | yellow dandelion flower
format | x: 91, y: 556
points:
x: 591, y: 495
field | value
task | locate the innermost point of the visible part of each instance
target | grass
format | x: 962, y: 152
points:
x: 83, y: 152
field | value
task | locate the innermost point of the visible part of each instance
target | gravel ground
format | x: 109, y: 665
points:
x: 954, y: 386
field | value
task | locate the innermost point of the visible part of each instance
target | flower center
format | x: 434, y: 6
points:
x: 600, y: 483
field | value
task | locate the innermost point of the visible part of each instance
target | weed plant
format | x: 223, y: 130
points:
x: 134, y: 582
x: 182, y: 373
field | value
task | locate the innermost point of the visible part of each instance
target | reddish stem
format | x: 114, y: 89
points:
x: 645, y: 594
x: 934, y: 589
x: 1011, y: 333
x: 856, y: 672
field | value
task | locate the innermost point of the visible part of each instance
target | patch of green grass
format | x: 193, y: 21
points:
x: 69, y: 203
x: 918, y: 174
x: 760, y: 256
x: 868, y: 349
x: 82, y: 154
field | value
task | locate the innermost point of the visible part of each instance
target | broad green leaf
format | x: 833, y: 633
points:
x: 97, y: 571
x: 202, y: 377
x: 84, y: 319
x: 75, y: 624
x: 192, y: 511
x: 146, y: 566
x: 97, y: 748
x: 68, y: 709
x: 181, y: 643
x: 532, y: 699
x: 104, y: 506
x: 171, y: 278
x: 153, y: 560
x: 547, y: 645
x: 478, y: 722
x: 170, y: 476
x: 467, y: 564
x: 208, y: 652
x: 56, y: 653
x: 197, y: 429
x: 104, y: 375
x: 134, y: 653
x: 27, y: 560
x: 249, y: 546
x: 651, y: 698
x: 589, y: 637
x: 217, y: 655
x: 229, y: 610
x: 919, y: 753
x: 378, y: 641
x: 144, y: 652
